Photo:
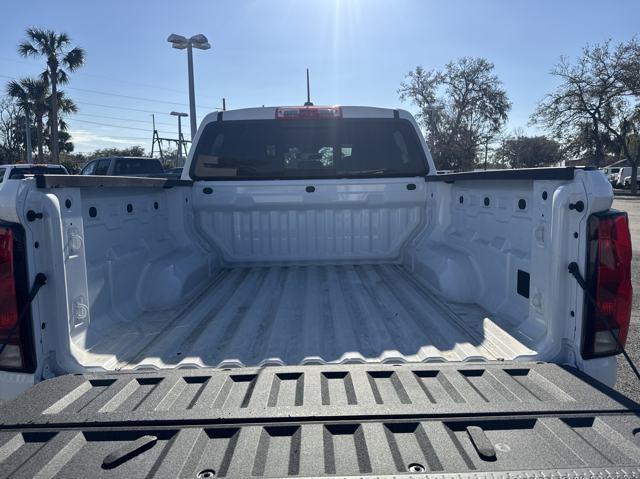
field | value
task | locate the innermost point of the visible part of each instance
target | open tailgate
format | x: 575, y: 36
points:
x: 472, y: 420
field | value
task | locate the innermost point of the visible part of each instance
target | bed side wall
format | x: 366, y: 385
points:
x: 505, y: 245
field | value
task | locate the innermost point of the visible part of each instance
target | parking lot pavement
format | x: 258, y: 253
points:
x: 627, y: 383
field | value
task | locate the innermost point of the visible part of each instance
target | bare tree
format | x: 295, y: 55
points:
x: 462, y: 108
x: 10, y: 138
x: 601, y: 90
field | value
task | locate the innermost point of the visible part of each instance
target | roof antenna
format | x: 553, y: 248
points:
x: 308, y: 102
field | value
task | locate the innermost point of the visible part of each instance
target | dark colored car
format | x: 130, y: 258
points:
x: 124, y: 166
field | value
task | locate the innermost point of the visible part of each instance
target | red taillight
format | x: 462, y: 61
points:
x: 308, y: 112
x: 8, y: 298
x: 15, y: 355
x: 609, y: 284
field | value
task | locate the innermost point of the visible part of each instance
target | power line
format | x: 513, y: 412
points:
x: 107, y: 124
x: 102, y: 105
x: 121, y: 119
x: 131, y: 97
x: 107, y: 137
x: 128, y: 97
x: 120, y: 107
x: 113, y: 126
x: 120, y: 80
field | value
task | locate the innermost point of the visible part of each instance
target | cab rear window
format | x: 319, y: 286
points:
x: 135, y: 166
x: 341, y: 148
x: 19, y: 173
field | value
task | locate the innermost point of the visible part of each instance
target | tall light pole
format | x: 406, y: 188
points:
x: 180, y: 140
x: 200, y: 42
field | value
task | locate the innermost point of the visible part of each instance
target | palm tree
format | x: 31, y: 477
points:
x: 56, y: 49
x: 31, y: 95
x: 65, y: 144
x: 65, y: 106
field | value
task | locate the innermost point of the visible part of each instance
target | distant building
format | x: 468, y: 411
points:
x: 607, y: 162
x: 620, y: 163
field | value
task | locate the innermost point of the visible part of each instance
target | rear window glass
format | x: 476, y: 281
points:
x: 135, y: 166
x: 279, y: 149
x: 101, y: 167
x: 18, y: 173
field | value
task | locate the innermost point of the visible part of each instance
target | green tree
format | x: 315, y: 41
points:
x: 65, y: 145
x: 594, y: 146
x: 103, y: 152
x: 600, y: 89
x: 462, y: 108
x: 529, y: 151
x: 76, y: 161
x: 60, y: 57
x: 31, y: 95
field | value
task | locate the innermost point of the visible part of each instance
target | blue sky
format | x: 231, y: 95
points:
x: 358, y: 52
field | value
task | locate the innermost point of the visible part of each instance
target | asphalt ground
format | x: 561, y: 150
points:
x: 627, y: 383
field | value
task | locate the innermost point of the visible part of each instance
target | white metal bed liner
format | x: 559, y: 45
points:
x: 308, y: 314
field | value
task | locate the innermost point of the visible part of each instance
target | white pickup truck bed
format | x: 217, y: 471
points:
x: 265, y: 273
x: 353, y: 252
x: 232, y: 274
x: 310, y: 314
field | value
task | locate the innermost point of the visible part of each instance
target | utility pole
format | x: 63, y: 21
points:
x: 156, y: 139
x: 153, y: 141
x: 180, y: 138
x: 486, y: 152
x: 224, y: 104
x: 181, y: 142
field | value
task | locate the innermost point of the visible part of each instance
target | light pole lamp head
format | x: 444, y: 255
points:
x: 178, y: 41
x: 178, y: 113
x: 200, y: 41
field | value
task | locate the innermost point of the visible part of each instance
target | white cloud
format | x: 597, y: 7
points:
x: 85, y: 141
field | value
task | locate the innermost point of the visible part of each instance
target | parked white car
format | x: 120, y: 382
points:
x: 620, y: 176
x: 627, y: 181
x: 19, y: 170
x: 610, y: 172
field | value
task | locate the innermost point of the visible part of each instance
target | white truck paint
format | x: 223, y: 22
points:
x: 231, y: 273
x: 620, y: 176
x: 19, y: 170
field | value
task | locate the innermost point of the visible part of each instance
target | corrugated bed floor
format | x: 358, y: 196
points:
x: 311, y: 314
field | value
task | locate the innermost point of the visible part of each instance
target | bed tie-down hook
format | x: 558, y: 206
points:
x: 32, y: 216
x: 578, y: 206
